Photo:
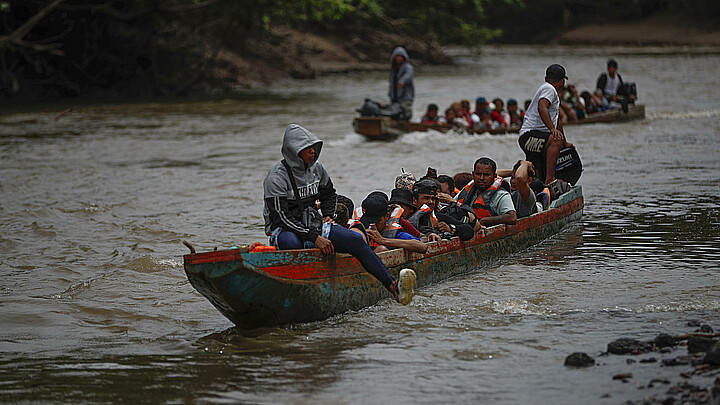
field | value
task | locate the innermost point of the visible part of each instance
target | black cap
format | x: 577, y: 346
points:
x: 402, y: 196
x: 432, y: 107
x: 555, y: 72
x: 612, y: 63
x: 374, y: 208
x: 426, y: 186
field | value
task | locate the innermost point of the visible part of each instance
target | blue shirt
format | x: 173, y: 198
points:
x: 404, y: 236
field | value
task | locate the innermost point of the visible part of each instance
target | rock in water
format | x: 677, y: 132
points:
x: 626, y: 345
x: 579, y: 359
x: 713, y: 355
x: 665, y: 340
x: 699, y: 344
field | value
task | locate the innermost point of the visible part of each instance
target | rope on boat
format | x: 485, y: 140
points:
x: 189, y: 246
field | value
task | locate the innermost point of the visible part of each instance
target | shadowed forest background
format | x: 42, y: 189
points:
x: 51, y: 50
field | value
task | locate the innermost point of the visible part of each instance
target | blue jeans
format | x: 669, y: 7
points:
x: 344, y: 241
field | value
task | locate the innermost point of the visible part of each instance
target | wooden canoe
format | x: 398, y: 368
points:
x: 292, y: 286
x: 635, y: 111
x: 385, y: 129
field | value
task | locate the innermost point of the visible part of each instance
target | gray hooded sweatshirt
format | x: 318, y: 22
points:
x: 404, y: 75
x: 282, y: 209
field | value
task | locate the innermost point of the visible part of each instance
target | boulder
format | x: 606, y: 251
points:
x: 579, y: 359
x: 627, y: 345
x: 699, y: 344
x: 713, y: 355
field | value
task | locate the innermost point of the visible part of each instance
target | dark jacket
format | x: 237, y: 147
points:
x: 282, y: 209
x: 423, y: 222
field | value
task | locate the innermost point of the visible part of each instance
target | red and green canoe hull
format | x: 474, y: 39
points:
x: 293, y: 286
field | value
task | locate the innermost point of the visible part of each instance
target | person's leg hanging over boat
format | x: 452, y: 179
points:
x: 346, y: 241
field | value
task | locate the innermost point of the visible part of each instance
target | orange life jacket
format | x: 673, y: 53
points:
x: 478, y: 201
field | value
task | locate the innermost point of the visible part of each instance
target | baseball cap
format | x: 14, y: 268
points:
x: 426, y: 186
x: 555, y: 72
x: 375, y: 207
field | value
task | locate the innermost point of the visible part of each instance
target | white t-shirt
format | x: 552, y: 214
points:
x: 532, y: 116
x: 612, y: 84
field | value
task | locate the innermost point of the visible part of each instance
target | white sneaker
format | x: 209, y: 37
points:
x: 406, y: 283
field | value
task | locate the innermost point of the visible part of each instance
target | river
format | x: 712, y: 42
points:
x: 95, y: 201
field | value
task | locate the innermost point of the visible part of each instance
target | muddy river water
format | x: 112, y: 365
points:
x: 94, y: 203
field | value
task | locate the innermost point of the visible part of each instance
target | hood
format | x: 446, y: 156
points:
x: 399, y: 51
x: 295, y: 140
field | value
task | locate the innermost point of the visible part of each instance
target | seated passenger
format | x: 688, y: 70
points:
x: 526, y: 105
x: 462, y: 116
x: 499, y: 115
x: 285, y: 207
x: 402, y: 199
x: 591, y: 103
x: 447, y: 185
x: 488, y: 195
x: 481, y: 105
x: 449, y: 118
x: 405, y: 180
x: 431, y: 116
x: 486, y: 123
x: 429, y: 221
x: 515, y: 117
x: 383, y: 230
x: 461, y: 180
x: 611, y: 88
x: 523, y: 196
x: 566, y: 112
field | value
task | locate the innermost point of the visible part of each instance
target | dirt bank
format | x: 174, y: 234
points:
x: 659, y: 30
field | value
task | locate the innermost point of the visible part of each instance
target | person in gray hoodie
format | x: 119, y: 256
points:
x: 282, y: 212
x: 402, y: 89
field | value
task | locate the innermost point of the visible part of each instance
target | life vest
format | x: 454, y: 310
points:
x: 356, y: 215
x: 393, y: 224
x: 478, y: 203
x: 354, y: 223
x: 426, y: 209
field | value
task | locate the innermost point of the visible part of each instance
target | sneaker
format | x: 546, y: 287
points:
x: 405, y: 285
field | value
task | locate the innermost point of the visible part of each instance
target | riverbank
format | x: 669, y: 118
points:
x: 660, y: 30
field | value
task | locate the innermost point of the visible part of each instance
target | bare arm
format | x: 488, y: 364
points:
x: 504, y: 172
x: 522, y: 176
x: 412, y: 245
x: 509, y: 218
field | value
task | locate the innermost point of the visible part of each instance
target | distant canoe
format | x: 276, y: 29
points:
x: 635, y: 111
x: 292, y: 286
x: 386, y: 129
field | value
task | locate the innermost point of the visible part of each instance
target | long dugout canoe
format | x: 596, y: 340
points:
x: 386, y: 129
x: 292, y: 286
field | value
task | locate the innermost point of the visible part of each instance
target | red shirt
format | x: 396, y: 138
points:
x: 409, y: 228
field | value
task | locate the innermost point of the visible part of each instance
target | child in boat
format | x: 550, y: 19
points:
x: 290, y: 216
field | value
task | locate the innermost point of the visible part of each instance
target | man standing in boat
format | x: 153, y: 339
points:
x: 291, y: 189
x: 541, y: 135
x: 402, y: 90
